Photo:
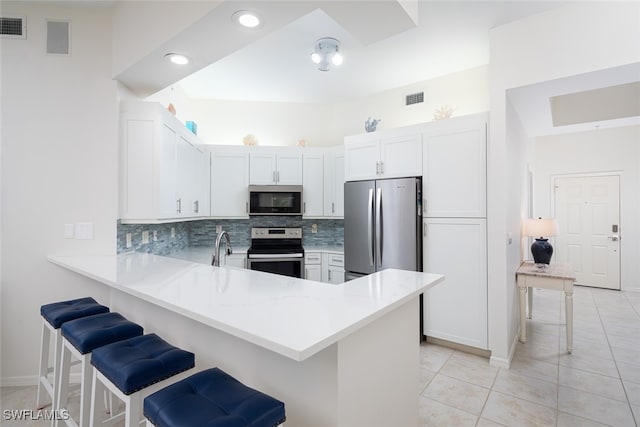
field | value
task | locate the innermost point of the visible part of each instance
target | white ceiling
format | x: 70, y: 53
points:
x: 450, y: 36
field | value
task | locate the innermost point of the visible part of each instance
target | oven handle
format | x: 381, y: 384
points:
x: 275, y: 256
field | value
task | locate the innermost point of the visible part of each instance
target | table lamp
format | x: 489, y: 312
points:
x: 541, y: 228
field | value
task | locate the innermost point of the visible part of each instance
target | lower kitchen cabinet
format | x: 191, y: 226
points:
x: 333, y: 271
x: 456, y: 310
x: 313, y: 266
x: 235, y: 260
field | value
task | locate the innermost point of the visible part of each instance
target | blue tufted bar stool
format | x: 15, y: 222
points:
x: 212, y: 398
x: 80, y: 337
x: 54, y: 315
x: 134, y: 368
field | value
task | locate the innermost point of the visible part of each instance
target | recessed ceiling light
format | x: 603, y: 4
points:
x: 177, y: 58
x: 246, y: 18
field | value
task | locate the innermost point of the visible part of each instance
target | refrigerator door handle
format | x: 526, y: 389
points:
x: 370, y: 225
x: 379, y: 226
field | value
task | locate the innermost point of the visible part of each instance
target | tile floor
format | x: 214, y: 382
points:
x: 597, y: 385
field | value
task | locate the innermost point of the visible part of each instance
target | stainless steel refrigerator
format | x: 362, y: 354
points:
x: 382, y: 226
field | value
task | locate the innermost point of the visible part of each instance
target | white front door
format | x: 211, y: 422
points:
x: 588, y: 213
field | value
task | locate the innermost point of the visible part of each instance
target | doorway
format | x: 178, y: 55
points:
x: 588, y: 212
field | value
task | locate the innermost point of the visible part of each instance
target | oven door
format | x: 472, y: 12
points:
x: 287, y: 265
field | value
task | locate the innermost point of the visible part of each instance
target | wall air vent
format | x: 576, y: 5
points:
x: 13, y: 27
x: 414, y: 98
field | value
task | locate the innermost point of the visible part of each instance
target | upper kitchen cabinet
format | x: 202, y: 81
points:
x: 334, y: 182
x: 272, y: 166
x: 163, y: 168
x: 390, y: 154
x: 230, y: 182
x: 313, y: 182
x: 455, y: 167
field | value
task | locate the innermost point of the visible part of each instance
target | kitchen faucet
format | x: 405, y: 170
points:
x: 215, y: 261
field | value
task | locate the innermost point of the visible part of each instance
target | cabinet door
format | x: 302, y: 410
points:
x: 289, y: 168
x: 229, y: 183
x: 401, y: 156
x: 262, y: 168
x: 456, y: 310
x: 361, y: 160
x: 455, y: 171
x: 185, y: 177
x: 165, y: 182
x: 334, y: 183
x: 313, y: 272
x: 313, y: 184
x: 200, y: 205
x: 336, y: 275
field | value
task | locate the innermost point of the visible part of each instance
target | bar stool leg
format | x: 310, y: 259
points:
x: 44, y: 385
x: 134, y: 414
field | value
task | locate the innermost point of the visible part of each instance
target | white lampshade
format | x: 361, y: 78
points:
x: 540, y: 227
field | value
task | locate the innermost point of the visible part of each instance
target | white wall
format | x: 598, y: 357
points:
x: 59, y: 165
x: 570, y: 40
x: 605, y: 150
x: 284, y: 124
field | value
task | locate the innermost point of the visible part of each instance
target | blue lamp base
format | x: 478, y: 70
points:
x: 541, y: 250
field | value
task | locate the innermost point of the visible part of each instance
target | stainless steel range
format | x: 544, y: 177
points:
x: 277, y: 250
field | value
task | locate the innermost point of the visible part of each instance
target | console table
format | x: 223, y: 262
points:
x: 559, y: 277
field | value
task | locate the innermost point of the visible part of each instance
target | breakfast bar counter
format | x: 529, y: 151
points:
x: 343, y: 355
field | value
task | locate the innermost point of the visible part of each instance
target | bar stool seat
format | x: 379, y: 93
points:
x: 212, y: 398
x: 80, y: 338
x: 55, y: 315
x: 134, y: 368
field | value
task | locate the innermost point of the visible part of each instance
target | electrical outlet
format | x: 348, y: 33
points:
x: 128, y: 240
x: 145, y: 237
x: 155, y: 235
x: 173, y: 232
x: 218, y: 228
x: 84, y: 230
x: 314, y: 228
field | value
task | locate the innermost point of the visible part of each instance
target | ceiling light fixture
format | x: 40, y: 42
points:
x: 177, y: 58
x: 246, y: 18
x: 326, y: 52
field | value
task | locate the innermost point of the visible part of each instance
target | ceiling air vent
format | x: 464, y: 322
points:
x: 414, y: 98
x: 13, y: 27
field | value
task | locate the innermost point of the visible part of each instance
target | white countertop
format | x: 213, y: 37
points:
x: 293, y: 317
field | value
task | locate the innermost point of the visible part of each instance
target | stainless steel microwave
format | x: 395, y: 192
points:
x: 275, y: 200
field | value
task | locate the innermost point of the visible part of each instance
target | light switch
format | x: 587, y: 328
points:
x: 218, y: 228
x: 128, y: 240
x: 68, y: 231
x: 84, y: 230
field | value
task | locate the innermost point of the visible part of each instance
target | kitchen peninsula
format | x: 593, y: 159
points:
x: 336, y: 355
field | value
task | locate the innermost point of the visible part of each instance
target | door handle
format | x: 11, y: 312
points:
x: 614, y: 238
x: 379, y: 225
x: 370, y: 225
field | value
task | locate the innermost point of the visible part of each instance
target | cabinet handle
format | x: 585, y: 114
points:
x: 333, y: 207
x: 306, y: 273
x: 304, y: 207
x: 246, y: 207
x: 329, y: 275
x: 381, y: 168
x: 179, y: 205
x: 274, y: 176
x: 424, y: 230
x: 196, y: 206
x: 377, y: 168
x: 278, y: 176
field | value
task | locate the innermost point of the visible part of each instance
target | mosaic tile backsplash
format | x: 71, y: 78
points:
x: 203, y: 233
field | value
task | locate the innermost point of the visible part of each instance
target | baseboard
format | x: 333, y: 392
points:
x: 501, y: 362
x: 30, y: 380
x: 460, y: 347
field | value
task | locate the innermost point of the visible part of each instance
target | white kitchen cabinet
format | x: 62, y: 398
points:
x: 454, y: 167
x: 158, y: 171
x: 394, y: 154
x: 456, y: 310
x: 235, y: 260
x: 333, y: 268
x: 313, y: 266
x: 313, y: 183
x: 229, y: 182
x: 334, y: 182
x: 192, y: 179
x: 275, y: 166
